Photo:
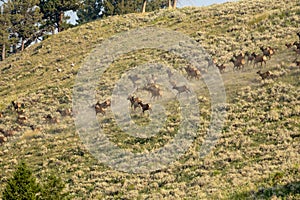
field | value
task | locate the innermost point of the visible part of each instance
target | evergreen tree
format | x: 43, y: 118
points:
x: 155, y: 5
x: 25, y: 17
x: 22, y: 185
x: 91, y: 10
x: 54, y: 10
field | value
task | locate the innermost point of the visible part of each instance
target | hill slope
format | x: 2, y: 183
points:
x: 257, y: 155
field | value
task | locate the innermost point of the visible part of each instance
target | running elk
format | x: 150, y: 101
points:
x: 238, y: 61
x: 259, y: 59
x: 221, y: 68
x: 192, y: 72
x: 145, y: 106
x: 180, y: 89
x: 268, y: 52
x: 134, y: 101
x: 154, y: 90
x: 100, y: 107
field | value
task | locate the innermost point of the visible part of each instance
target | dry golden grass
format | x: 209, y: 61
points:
x: 257, y: 155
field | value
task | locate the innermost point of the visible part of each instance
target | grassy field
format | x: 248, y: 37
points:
x: 257, y: 155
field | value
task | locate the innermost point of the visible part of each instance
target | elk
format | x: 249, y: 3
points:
x: 145, y: 106
x: 17, y: 105
x: 100, y: 107
x: 265, y: 75
x: 250, y: 57
x: 268, y: 52
x: 65, y: 112
x: 134, y: 101
x: 238, y: 61
x: 260, y: 59
x: 180, y: 89
x: 154, y: 90
x: 288, y: 45
x: 49, y: 118
x: 192, y: 72
x: 221, y: 67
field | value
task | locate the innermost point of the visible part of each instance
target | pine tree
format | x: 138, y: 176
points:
x: 25, y: 17
x: 22, y: 185
x: 155, y: 5
x: 91, y: 10
x: 54, y: 10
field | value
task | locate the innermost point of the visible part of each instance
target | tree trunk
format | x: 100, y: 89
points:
x: 3, y: 52
x: 170, y: 4
x: 61, y: 17
x: 174, y: 4
x: 144, y: 6
x: 53, y: 30
x: 22, y: 48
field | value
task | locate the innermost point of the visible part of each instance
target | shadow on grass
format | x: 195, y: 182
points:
x: 283, y: 191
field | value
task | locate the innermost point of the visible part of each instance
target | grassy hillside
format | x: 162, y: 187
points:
x: 257, y: 155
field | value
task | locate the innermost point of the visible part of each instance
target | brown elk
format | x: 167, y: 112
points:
x: 221, y: 67
x: 260, y: 59
x: 250, y: 57
x: 288, y: 45
x: 100, y: 107
x: 51, y: 119
x: 265, y: 75
x: 65, y: 112
x: 192, y: 72
x: 238, y: 61
x: 145, y: 106
x: 154, y: 90
x: 17, y: 105
x: 134, y: 101
x: 268, y: 52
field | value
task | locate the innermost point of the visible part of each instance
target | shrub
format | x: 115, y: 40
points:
x: 22, y: 185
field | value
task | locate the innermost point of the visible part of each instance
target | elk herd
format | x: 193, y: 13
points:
x: 239, y: 62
